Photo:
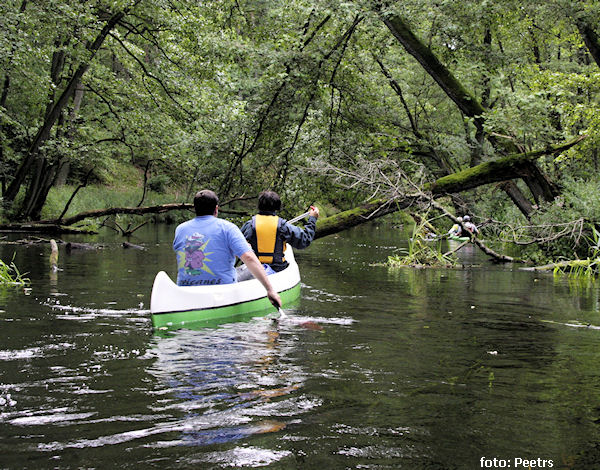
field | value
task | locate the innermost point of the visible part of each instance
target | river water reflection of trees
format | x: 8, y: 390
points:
x: 415, y: 368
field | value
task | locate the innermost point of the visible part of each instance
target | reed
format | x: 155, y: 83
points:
x: 11, y: 276
x: 422, y: 250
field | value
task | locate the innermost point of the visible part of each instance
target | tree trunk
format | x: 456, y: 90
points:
x: 47, y: 182
x: 361, y: 214
x: 591, y: 39
x: 44, y: 132
x: 495, y: 171
x: 503, y: 169
x: 38, y: 189
x: 65, y: 166
x: 540, y: 186
x: 517, y: 197
x: 465, y: 101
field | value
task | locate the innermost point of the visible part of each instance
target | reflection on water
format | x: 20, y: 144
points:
x: 225, y: 382
x: 374, y: 368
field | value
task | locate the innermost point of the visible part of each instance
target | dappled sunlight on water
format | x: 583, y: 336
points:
x: 374, y: 368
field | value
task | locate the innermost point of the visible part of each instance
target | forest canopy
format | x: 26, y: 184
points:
x: 337, y: 101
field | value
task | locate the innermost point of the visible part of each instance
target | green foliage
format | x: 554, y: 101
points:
x: 423, y: 250
x: 242, y: 96
x: 10, y: 275
x: 159, y: 183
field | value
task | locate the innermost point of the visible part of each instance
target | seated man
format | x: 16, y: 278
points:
x: 206, y: 248
x: 268, y: 233
x: 470, y: 226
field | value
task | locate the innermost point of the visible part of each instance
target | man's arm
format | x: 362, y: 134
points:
x: 251, y: 261
x: 301, y: 237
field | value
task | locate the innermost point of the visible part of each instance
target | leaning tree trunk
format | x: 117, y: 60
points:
x: 590, y: 38
x: 65, y: 165
x: 517, y: 197
x: 538, y: 184
x: 55, y: 111
x: 503, y: 169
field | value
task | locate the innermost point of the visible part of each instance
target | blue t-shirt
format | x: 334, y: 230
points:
x: 206, y: 248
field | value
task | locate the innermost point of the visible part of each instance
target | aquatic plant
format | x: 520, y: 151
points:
x: 423, y: 250
x: 11, y: 276
x: 584, y: 268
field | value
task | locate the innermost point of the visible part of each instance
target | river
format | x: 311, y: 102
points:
x: 482, y: 366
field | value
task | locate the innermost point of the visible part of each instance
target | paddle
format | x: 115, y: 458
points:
x: 300, y: 217
x: 282, y: 314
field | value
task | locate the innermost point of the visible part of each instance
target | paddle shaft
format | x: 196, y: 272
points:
x: 300, y: 217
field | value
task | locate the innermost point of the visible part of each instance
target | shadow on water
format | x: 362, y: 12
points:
x: 374, y: 368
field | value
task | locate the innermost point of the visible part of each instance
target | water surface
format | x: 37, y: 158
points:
x: 374, y: 368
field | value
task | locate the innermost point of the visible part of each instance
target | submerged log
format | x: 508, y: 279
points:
x: 80, y: 246
x: 132, y: 246
x: 571, y: 265
x: 53, y: 255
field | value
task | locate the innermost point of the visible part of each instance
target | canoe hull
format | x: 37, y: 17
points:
x: 174, y: 306
x: 458, y: 239
x: 216, y: 315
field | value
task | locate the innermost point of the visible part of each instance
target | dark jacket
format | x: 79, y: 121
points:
x: 297, y: 237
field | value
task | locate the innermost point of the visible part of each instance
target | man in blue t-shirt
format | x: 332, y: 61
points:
x: 206, y: 248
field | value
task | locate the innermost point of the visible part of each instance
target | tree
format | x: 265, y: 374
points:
x: 539, y: 185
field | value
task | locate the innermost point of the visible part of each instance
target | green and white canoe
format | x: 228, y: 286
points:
x: 174, y: 306
x: 458, y: 239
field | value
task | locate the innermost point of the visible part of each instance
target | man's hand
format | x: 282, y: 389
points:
x: 256, y: 268
x: 314, y: 211
x: 274, y: 299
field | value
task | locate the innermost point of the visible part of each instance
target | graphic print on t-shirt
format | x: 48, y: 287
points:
x: 194, y: 257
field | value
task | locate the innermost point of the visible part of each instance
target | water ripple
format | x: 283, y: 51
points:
x: 246, y: 457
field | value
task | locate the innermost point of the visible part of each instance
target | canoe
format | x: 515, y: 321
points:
x: 458, y: 239
x: 173, y: 306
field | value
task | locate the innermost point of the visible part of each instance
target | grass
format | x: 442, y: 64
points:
x: 99, y: 197
x: 421, y: 251
x: 587, y: 269
x: 10, y: 275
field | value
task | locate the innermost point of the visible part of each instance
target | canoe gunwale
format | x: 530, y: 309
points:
x: 200, y: 309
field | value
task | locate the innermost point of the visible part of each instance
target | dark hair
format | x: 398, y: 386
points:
x: 269, y: 201
x: 205, y: 202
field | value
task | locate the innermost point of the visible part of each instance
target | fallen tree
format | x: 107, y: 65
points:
x: 503, y: 169
x: 58, y: 226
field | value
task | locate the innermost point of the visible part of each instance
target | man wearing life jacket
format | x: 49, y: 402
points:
x: 206, y: 248
x: 268, y: 234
